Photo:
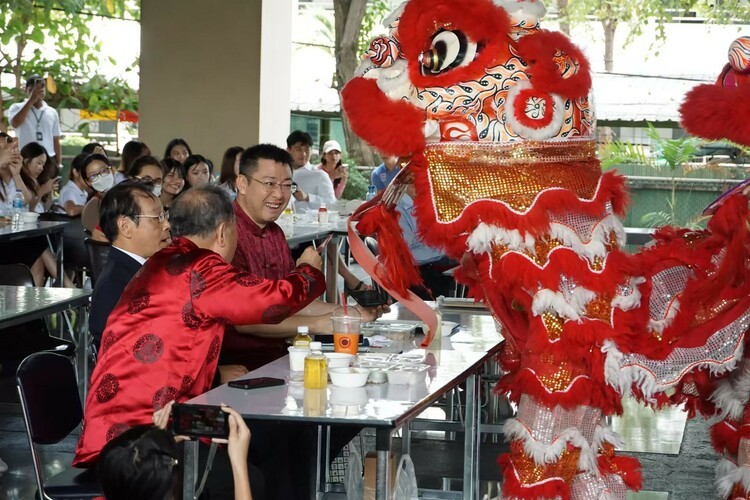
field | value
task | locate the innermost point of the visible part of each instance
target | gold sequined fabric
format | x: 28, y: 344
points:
x: 554, y: 325
x: 530, y: 473
x: 557, y: 372
x: 461, y: 173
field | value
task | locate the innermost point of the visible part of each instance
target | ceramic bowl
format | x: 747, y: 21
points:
x: 339, y: 359
x: 349, y: 377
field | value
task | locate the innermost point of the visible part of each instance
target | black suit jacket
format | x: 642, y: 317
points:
x: 117, y: 273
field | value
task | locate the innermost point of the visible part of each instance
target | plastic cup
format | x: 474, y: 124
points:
x: 346, y: 334
x: 297, y: 360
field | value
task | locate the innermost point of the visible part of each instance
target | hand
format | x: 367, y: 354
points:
x: 15, y: 164
x: 37, y: 93
x: 344, y: 173
x: 49, y: 186
x: 239, y: 438
x: 372, y: 313
x: 300, y: 195
x: 161, y: 417
x: 311, y: 257
x: 231, y: 372
x: 98, y: 150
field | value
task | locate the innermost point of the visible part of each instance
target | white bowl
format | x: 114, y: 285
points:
x: 349, y: 377
x: 411, y: 374
x: 29, y: 217
x: 339, y: 359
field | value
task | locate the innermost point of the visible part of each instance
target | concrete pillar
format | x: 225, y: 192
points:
x: 214, y: 73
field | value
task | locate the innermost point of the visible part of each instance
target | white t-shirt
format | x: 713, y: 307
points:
x: 44, y: 121
x: 318, y: 186
x: 71, y: 192
x: 8, y: 189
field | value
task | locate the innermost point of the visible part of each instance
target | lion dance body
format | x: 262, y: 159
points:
x: 493, y: 115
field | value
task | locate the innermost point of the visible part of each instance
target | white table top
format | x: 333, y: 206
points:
x: 451, y: 359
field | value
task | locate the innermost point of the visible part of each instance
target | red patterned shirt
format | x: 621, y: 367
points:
x: 265, y: 252
x: 162, y: 340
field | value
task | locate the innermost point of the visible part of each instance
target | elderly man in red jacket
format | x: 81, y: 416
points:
x: 162, y: 341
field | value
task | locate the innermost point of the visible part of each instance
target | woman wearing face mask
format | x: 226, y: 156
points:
x: 75, y: 193
x: 35, y: 162
x: 198, y: 171
x: 174, y: 182
x: 149, y: 170
x: 100, y: 175
x: 178, y: 149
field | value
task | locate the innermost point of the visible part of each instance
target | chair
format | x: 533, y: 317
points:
x: 48, y: 392
x: 98, y: 253
x: 17, y: 342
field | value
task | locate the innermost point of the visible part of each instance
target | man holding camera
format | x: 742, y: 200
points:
x: 35, y: 121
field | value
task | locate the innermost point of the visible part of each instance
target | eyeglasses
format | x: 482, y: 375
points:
x: 164, y: 216
x: 147, y: 178
x: 100, y: 173
x: 268, y: 186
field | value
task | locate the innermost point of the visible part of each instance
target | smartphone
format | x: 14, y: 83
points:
x: 255, y: 383
x: 369, y: 298
x: 322, y: 246
x: 199, y: 421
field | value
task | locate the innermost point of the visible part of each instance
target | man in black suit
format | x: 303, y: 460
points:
x: 133, y: 219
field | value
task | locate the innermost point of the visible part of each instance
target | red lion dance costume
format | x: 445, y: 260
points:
x: 493, y: 116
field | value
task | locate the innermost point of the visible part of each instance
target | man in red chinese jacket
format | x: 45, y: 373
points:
x: 162, y: 341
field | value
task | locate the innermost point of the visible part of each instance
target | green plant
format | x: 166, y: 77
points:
x: 356, y: 186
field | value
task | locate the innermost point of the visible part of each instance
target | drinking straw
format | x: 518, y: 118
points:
x: 346, y: 310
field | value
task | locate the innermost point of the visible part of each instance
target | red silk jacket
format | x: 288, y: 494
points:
x: 162, y: 341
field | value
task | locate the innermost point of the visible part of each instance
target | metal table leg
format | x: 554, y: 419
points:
x: 332, y: 269
x: 383, y: 479
x: 189, y: 469
x: 471, y: 440
x: 82, y: 350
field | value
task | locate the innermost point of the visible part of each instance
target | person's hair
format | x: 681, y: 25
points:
x: 91, y: 146
x: 131, y: 151
x: 86, y: 161
x: 299, y: 136
x: 227, y: 165
x: 142, y: 463
x: 250, y: 157
x: 176, y: 142
x: 28, y: 153
x: 194, y: 160
x: 75, y: 165
x: 199, y: 211
x: 169, y: 165
x: 137, y: 166
x: 121, y: 201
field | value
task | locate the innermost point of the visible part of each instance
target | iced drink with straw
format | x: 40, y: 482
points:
x: 346, y: 321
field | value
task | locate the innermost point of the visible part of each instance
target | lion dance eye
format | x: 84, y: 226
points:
x: 449, y: 49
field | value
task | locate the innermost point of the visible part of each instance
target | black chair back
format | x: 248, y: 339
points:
x: 16, y: 275
x: 98, y: 253
x: 49, y: 396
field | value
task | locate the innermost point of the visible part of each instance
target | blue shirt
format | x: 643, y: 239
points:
x: 381, y: 176
x: 422, y: 253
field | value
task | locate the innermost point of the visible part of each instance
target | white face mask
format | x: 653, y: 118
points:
x: 156, y: 190
x: 103, y: 182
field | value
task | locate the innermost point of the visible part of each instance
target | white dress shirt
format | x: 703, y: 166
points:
x: 317, y: 185
x: 44, y: 120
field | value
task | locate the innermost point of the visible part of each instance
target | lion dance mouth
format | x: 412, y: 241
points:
x: 492, y: 117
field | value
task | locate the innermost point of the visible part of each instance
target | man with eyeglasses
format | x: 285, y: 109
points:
x: 132, y: 218
x: 264, y: 186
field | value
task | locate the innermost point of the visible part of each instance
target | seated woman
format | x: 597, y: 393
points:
x: 230, y: 169
x: 143, y: 462
x: 38, y: 174
x: 198, y: 171
x: 131, y: 151
x: 98, y: 174
x: 178, y: 149
x: 75, y: 192
x: 174, y: 181
x: 31, y: 252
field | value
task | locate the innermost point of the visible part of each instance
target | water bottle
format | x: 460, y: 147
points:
x: 370, y: 192
x: 17, y: 204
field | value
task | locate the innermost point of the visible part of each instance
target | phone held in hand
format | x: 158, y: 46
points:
x: 199, y: 421
x: 255, y: 383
